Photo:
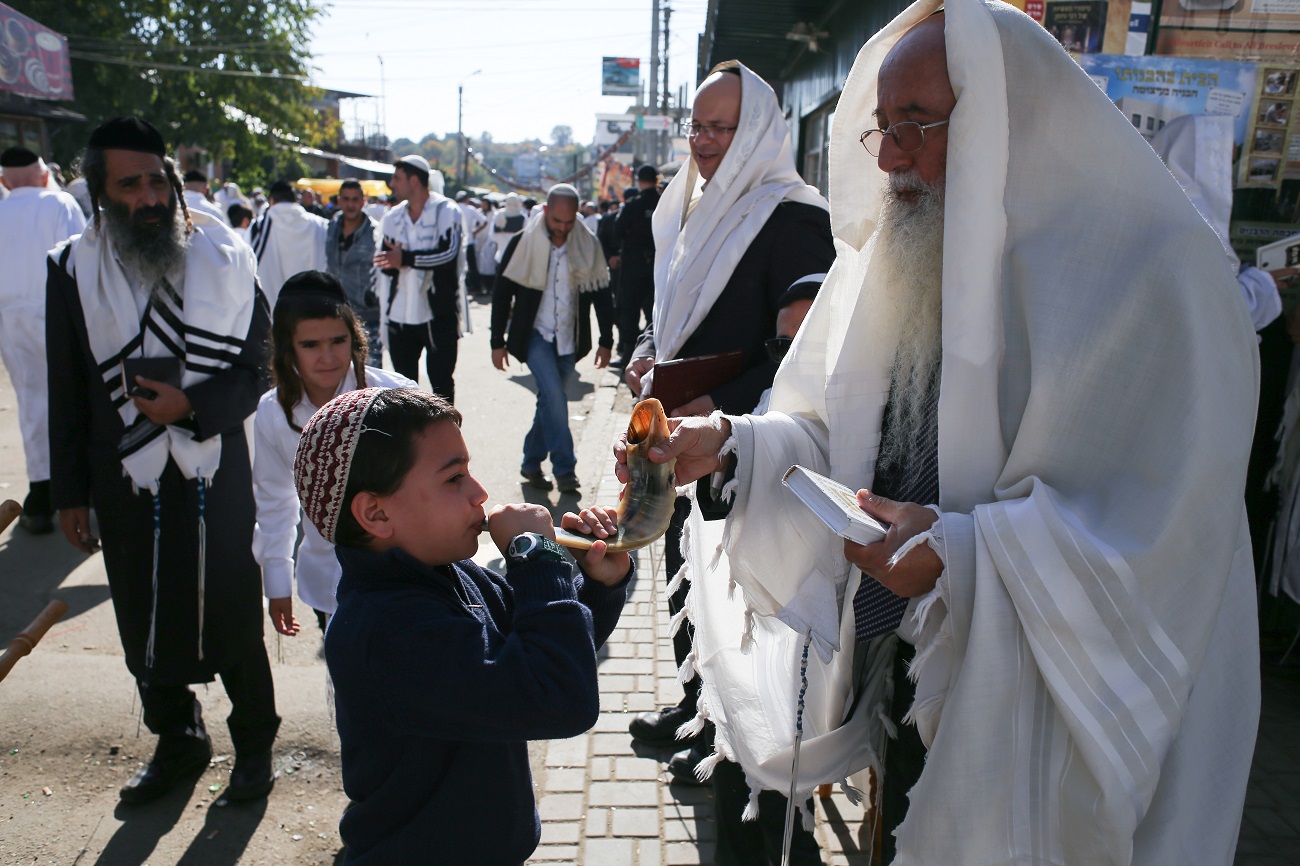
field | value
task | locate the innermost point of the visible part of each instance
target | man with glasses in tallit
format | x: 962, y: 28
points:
x: 1078, y: 385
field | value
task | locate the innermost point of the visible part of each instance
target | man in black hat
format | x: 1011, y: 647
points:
x: 147, y: 409
x: 636, y: 285
x: 198, y: 196
x: 32, y: 220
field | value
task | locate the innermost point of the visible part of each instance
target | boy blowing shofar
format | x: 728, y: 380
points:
x: 443, y: 670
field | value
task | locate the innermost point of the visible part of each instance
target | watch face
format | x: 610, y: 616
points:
x: 522, y: 545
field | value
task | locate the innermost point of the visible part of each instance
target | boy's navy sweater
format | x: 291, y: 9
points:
x: 440, y: 677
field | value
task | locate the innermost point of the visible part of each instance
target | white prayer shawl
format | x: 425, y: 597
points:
x: 530, y: 263
x: 287, y: 240
x: 217, y: 309
x: 695, y: 258
x: 1087, y: 664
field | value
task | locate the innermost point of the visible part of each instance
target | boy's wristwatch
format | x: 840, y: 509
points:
x: 530, y: 546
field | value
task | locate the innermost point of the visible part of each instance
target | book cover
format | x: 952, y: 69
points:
x: 680, y: 381
x: 834, y: 504
x: 1078, y: 26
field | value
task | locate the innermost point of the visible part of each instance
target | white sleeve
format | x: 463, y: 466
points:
x: 1260, y: 292
x: 277, y: 502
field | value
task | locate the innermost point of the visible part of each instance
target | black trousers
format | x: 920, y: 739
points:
x: 673, y: 559
x: 472, y: 278
x: 755, y: 843
x: 173, y: 710
x: 635, y: 298
x: 904, y: 757
x: 438, y: 340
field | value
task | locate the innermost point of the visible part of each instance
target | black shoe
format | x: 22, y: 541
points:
x: 683, y: 764
x: 36, y: 524
x: 618, y: 363
x: 178, y: 758
x: 252, y: 778
x: 659, y: 728
x: 568, y: 483
x: 536, y: 480
x: 38, y: 516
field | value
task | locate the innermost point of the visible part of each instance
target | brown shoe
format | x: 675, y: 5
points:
x: 568, y: 483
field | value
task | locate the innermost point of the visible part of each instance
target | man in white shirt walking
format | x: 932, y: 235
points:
x: 287, y: 240
x: 33, y: 220
x: 196, y: 195
x: 423, y: 256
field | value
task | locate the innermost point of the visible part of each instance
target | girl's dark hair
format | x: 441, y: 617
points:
x: 385, y: 451
x: 289, y: 311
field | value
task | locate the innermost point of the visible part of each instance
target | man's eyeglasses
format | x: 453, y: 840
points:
x: 691, y: 129
x: 907, y: 134
x: 778, y: 347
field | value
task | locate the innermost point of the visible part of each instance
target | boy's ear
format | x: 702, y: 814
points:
x: 368, y: 511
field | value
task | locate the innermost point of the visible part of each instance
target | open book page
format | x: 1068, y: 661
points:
x: 836, y: 505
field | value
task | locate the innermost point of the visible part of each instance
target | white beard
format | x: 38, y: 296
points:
x: 909, y: 255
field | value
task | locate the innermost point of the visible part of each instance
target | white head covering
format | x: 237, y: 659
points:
x: 695, y: 258
x: 1087, y: 664
x: 1197, y: 148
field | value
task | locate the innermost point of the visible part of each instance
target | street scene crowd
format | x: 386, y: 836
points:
x: 1050, y: 653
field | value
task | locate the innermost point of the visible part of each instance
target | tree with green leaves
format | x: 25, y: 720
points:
x: 226, y: 76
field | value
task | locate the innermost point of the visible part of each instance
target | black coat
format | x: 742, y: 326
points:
x: 514, y: 310
x: 793, y: 243
x: 85, y: 471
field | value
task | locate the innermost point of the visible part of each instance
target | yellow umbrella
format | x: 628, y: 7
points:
x: 328, y: 187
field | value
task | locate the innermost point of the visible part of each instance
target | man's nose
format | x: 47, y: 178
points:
x: 153, y: 196
x: 891, y: 155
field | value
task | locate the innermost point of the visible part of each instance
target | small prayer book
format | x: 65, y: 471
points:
x: 836, y: 505
x: 680, y: 381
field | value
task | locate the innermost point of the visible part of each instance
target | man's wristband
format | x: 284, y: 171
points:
x: 530, y: 547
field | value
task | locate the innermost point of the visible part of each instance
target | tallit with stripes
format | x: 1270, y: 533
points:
x: 204, y: 325
x: 1087, y: 665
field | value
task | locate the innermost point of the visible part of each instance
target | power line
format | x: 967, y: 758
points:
x: 176, y: 67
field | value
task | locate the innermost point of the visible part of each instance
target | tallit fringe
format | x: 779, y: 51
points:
x: 943, y: 638
x: 921, y: 616
x: 882, y: 716
x: 676, y: 583
x: 728, y: 492
x: 153, y: 605
x: 747, y: 635
x: 695, y: 726
x: 856, y: 796
x: 807, y: 816
x: 675, y: 624
x: 704, y: 769
x: 911, y: 544
x: 926, y: 711
x: 203, y: 557
x: 686, y: 672
x: 751, y: 808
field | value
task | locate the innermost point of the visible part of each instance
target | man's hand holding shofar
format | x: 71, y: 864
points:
x: 694, y: 443
x: 917, y: 572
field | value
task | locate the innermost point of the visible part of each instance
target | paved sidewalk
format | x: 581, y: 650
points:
x: 606, y: 802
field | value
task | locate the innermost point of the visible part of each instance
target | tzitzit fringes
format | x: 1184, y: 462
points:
x: 794, y: 765
x: 203, y: 556
x: 153, y: 606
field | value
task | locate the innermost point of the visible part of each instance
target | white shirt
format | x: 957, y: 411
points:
x: 474, y: 221
x: 555, y: 312
x: 429, y: 238
x: 32, y: 222
x: 592, y: 220
x: 278, y: 509
x: 288, y: 239
x: 195, y: 200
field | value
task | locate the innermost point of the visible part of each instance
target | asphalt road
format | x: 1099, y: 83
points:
x: 70, y: 733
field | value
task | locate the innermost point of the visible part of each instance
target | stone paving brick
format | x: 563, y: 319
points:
x: 649, y: 853
x: 648, y: 684
x: 688, y: 854
x: 611, y: 743
x: 703, y: 830
x: 560, y: 807
x: 627, y: 666
x: 612, y: 722
x: 609, y: 852
x: 597, y: 822
x: 626, y: 769
x: 567, y: 753
x: 599, y: 769
x: 561, y: 832
x: 555, y: 854
x: 691, y: 795
x: 624, y: 793
x: 636, y: 822
x: 641, y: 702
x: 566, y: 780
x: 617, y: 682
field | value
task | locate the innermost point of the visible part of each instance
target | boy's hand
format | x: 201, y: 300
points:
x: 281, y: 611
x: 597, y: 563
x: 507, y: 521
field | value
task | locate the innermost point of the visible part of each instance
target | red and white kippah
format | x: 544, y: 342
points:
x: 324, y: 458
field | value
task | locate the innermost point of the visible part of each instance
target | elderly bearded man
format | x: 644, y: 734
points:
x: 164, y: 464
x: 1052, y: 407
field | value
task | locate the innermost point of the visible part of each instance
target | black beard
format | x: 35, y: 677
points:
x: 154, y: 249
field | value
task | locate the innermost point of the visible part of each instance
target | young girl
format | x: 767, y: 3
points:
x: 318, y: 351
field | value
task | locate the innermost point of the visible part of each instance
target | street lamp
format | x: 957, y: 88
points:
x: 460, y: 135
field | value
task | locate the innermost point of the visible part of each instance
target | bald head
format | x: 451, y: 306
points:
x: 717, y: 113
x: 914, y: 87
x: 36, y: 174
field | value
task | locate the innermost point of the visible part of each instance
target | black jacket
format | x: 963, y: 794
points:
x: 514, y: 309
x: 795, y: 242
x: 636, y: 238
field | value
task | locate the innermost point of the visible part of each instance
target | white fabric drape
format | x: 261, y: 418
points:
x: 695, y: 260
x: 1088, y: 682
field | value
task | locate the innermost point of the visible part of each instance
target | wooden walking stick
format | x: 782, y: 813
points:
x: 30, y: 636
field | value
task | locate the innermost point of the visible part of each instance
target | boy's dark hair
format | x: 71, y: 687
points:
x: 385, y: 451
x: 351, y: 184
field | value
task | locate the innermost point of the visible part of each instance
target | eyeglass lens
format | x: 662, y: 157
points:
x: 909, y: 137
x: 778, y: 347
x: 702, y: 130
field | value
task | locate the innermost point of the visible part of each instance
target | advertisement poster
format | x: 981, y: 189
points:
x: 1273, y: 153
x: 1283, y: 48
x: 620, y: 76
x: 1223, y: 15
x: 1151, y: 91
x: 1078, y: 26
x: 33, y: 58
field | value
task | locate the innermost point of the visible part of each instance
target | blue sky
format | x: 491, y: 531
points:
x: 539, y: 60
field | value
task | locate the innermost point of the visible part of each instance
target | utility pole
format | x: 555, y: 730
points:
x: 668, y: 13
x: 460, y: 134
x: 654, y: 77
